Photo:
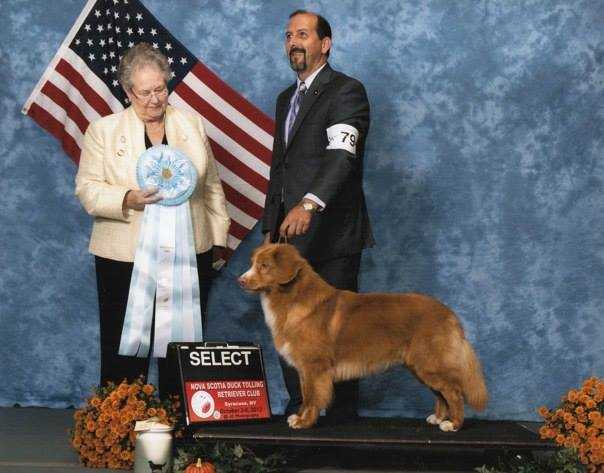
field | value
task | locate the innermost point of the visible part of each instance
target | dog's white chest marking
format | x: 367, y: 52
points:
x: 285, y: 352
x: 269, y: 315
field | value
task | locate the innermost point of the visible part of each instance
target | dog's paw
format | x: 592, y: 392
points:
x: 447, y: 426
x: 294, y: 421
x: 432, y: 419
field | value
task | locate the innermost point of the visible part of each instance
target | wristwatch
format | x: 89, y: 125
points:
x: 309, y: 206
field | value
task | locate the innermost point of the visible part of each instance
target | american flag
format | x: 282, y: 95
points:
x: 80, y: 85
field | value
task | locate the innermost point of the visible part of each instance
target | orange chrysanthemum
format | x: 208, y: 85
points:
x: 578, y: 423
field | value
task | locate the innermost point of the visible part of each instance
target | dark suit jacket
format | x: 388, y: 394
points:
x: 333, y: 175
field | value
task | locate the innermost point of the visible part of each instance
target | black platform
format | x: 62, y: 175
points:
x: 379, y: 432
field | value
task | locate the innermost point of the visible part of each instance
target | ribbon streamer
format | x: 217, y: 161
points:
x: 165, y: 264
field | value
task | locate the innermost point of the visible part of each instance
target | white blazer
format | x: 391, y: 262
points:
x: 107, y: 171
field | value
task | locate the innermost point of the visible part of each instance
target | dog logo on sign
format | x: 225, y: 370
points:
x: 156, y: 468
x: 203, y: 405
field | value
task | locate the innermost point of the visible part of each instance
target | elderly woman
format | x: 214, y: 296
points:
x: 107, y: 187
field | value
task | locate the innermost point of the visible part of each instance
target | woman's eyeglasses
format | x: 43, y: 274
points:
x: 147, y: 95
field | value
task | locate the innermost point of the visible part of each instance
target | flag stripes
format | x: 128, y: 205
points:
x: 251, y: 149
x: 60, y: 81
x: 55, y: 128
x: 62, y: 100
x: 237, y: 101
x: 239, y: 116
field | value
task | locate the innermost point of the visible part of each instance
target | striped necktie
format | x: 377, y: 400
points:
x: 294, y: 109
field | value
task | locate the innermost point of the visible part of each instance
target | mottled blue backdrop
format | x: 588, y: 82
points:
x: 484, y: 177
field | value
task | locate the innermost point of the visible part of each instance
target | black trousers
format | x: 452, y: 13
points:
x: 113, y: 286
x: 342, y: 273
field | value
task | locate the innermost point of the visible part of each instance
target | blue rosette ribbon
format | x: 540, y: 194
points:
x: 165, y: 264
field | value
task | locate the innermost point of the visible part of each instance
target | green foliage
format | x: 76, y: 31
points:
x: 228, y: 458
x: 563, y: 461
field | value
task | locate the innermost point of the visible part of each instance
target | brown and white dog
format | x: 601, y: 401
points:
x: 330, y: 335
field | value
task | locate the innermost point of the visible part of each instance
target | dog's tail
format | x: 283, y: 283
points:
x: 473, y: 384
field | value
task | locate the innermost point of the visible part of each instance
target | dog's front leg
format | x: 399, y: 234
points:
x: 317, y: 391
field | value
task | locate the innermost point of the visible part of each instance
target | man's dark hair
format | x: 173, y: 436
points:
x: 323, y: 26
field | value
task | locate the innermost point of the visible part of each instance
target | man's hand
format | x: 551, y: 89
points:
x: 138, y: 199
x: 296, y: 222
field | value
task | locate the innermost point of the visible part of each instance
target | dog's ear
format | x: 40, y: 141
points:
x: 288, y: 263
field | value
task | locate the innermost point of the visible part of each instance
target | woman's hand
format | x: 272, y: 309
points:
x: 138, y: 199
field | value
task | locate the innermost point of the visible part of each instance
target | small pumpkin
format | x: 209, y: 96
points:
x: 200, y: 467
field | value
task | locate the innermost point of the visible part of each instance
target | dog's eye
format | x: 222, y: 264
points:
x: 263, y: 266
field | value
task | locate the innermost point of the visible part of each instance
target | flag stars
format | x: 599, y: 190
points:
x: 139, y: 16
x: 183, y: 60
x: 113, y: 69
x: 91, y: 57
x: 97, y: 13
x: 115, y: 83
x: 129, y: 31
x: 115, y: 2
x: 170, y: 60
x: 118, y: 30
x: 116, y: 15
x: 89, y: 42
x: 77, y: 42
x: 110, y: 40
x: 100, y: 28
x: 87, y: 27
x: 105, y: 71
x: 109, y: 26
x: 107, y: 12
x: 172, y: 75
x: 130, y: 44
x: 102, y: 42
x: 119, y: 44
x: 168, y: 46
x: 127, y: 17
x: 153, y: 32
x: 155, y: 46
x: 112, y: 54
x: 141, y: 31
x: 104, y: 57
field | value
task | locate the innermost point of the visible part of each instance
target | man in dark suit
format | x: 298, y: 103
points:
x: 315, y: 195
